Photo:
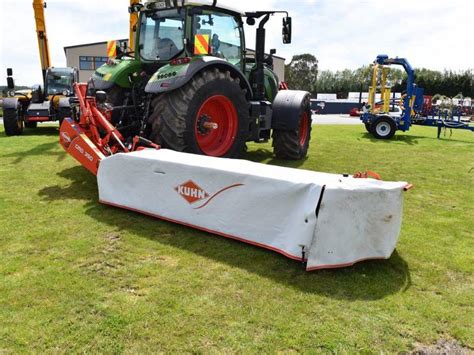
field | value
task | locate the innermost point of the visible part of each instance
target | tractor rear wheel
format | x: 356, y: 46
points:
x: 293, y: 145
x: 207, y: 116
x: 383, y: 127
x: 31, y: 124
x: 12, y: 122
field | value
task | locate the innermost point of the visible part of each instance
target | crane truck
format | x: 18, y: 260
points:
x: 49, y: 102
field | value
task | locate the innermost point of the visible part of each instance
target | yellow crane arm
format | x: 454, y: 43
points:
x: 133, y: 26
x: 38, y: 7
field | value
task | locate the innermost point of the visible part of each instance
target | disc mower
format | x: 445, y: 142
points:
x: 322, y: 220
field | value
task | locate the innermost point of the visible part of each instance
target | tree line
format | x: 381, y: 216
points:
x: 302, y: 73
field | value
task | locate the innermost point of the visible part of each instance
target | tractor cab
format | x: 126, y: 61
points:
x: 45, y: 103
x: 59, y: 81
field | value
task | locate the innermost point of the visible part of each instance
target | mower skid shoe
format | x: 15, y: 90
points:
x: 77, y: 144
x: 325, y: 220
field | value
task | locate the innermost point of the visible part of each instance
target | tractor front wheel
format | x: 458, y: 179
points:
x: 383, y: 127
x: 367, y: 127
x: 293, y: 145
x: 207, y: 116
x: 12, y: 122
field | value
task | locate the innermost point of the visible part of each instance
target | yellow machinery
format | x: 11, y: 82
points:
x: 49, y: 102
x: 38, y: 7
x: 379, y: 74
x: 133, y: 25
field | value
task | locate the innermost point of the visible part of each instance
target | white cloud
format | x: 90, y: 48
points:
x: 344, y: 33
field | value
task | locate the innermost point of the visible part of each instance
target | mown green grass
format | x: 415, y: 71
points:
x: 77, y: 276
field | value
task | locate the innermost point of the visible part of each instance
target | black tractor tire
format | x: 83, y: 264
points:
x: 384, y: 127
x: 31, y: 124
x: 179, y: 118
x: 294, y: 144
x: 368, y: 127
x: 12, y: 122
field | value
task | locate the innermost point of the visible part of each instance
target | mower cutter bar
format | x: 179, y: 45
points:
x: 323, y: 220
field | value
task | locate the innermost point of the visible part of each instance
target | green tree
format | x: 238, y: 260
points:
x: 302, y: 72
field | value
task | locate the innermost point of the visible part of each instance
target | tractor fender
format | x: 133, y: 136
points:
x: 115, y: 72
x: 169, y: 78
x: 10, y: 103
x: 287, y: 109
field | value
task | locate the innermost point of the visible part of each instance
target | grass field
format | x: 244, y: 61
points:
x: 76, y: 276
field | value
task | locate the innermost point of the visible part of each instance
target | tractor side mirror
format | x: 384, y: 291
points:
x: 286, y: 32
x: 10, y: 83
x: 9, y: 71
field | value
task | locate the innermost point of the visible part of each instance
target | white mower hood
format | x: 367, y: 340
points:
x: 325, y: 220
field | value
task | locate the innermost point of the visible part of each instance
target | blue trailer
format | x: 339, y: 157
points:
x: 381, y: 123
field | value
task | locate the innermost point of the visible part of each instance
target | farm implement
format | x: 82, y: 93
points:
x: 323, y: 220
x: 42, y: 104
x: 383, y: 124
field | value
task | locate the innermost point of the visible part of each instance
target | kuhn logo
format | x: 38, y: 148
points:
x: 191, y: 192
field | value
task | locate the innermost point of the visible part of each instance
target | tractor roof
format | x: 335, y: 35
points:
x: 163, y: 4
x: 67, y: 70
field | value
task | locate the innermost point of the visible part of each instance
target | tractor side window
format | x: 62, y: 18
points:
x: 161, y: 35
x: 223, y: 34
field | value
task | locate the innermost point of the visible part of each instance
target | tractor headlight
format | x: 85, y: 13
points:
x: 66, y: 92
x: 11, y: 93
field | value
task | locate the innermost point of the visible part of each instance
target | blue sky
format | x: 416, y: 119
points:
x: 341, y: 33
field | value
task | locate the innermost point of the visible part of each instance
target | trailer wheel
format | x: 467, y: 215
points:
x: 207, y: 116
x: 293, y: 145
x: 383, y: 127
x: 12, y: 122
x: 31, y: 124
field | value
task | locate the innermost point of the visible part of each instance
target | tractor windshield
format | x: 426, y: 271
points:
x: 58, y: 82
x: 161, y: 34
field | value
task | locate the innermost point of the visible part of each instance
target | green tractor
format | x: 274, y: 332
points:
x: 191, y: 86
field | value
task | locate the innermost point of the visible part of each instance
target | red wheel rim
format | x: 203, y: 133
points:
x: 219, y: 110
x: 304, y: 128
